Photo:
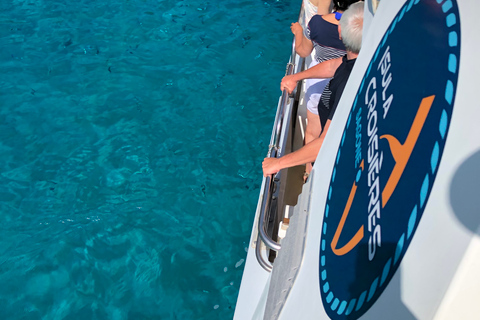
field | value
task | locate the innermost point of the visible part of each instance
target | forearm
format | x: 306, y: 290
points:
x: 306, y: 154
x: 323, y: 6
x: 322, y: 70
x: 302, y: 47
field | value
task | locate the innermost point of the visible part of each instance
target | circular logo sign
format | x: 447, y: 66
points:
x: 389, y: 155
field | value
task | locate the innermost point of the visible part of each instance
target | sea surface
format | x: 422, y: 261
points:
x: 131, y: 139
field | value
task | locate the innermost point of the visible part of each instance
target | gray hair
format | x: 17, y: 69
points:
x: 352, y: 26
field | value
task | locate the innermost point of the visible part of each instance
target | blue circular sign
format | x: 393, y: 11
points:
x: 389, y: 155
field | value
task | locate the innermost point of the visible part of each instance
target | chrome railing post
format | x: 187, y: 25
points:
x: 275, y: 150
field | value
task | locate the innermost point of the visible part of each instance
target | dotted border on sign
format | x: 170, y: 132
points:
x: 347, y: 307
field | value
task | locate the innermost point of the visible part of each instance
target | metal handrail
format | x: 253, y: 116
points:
x: 264, y: 264
x: 269, y: 242
x: 274, y: 151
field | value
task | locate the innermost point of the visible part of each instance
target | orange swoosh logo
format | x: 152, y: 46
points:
x: 401, y: 152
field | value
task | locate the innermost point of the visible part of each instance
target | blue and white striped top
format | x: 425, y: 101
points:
x: 325, y: 38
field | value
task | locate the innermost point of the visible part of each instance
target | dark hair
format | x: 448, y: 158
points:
x: 342, y: 5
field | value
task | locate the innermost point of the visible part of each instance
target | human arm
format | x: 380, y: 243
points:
x: 323, y: 6
x: 322, y: 70
x: 307, y: 153
x: 303, y: 46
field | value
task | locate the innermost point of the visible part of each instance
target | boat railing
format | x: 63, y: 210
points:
x: 276, y: 149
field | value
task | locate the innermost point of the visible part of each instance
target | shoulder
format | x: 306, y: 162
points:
x: 316, y: 19
x: 321, y: 26
x: 319, y: 20
x: 330, y: 18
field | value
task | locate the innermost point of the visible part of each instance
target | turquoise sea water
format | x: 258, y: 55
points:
x: 132, y: 134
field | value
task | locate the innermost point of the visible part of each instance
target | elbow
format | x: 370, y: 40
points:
x: 303, y: 54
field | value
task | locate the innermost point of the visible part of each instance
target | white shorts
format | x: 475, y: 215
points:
x: 314, y: 89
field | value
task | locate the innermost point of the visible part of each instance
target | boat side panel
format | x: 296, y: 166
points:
x: 441, y: 240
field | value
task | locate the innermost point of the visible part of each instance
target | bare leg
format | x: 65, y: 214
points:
x: 324, y: 6
x: 312, y: 132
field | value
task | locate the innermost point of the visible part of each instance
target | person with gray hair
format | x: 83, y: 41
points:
x: 350, y: 30
x: 351, y: 26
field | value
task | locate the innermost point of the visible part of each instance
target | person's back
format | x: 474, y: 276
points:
x: 323, y: 32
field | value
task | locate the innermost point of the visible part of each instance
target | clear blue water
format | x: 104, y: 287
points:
x: 132, y: 134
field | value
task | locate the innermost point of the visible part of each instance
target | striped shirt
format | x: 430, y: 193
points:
x: 325, y: 38
x: 333, y: 91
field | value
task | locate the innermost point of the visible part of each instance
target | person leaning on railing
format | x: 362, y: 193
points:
x: 350, y: 30
x: 321, y: 37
